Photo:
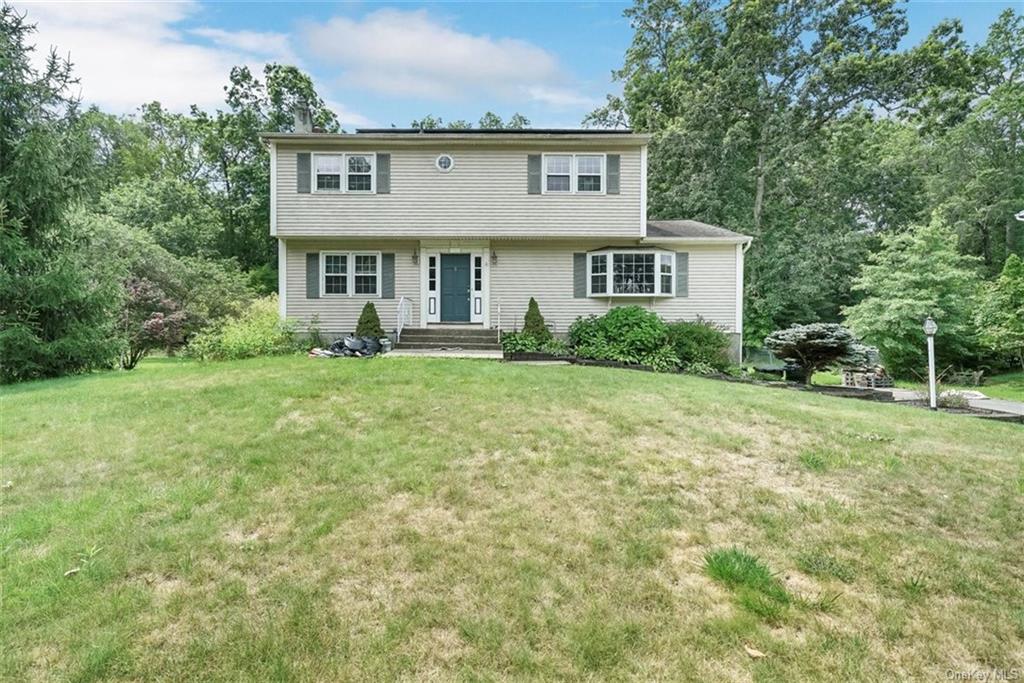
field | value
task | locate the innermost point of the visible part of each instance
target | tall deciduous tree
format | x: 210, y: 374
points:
x: 1001, y: 313
x: 917, y: 274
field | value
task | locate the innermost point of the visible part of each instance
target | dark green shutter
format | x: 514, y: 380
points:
x: 387, y: 276
x: 302, y: 172
x: 533, y: 174
x: 312, y: 275
x: 579, y: 276
x: 384, y: 174
x: 682, y: 273
x: 612, y: 171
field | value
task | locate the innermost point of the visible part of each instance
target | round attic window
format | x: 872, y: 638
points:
x: 444, y: 163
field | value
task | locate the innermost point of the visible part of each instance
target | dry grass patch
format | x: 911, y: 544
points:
x: 484, y: 521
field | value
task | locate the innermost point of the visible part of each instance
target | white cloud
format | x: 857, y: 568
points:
x: 411, y: 54
x: 126, y: 54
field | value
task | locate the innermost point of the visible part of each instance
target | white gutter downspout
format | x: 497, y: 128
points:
x: 741, y: 249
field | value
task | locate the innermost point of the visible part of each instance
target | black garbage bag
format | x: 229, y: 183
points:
x: 337, y: 346
x: 372, y: 345
x: 354, y: 343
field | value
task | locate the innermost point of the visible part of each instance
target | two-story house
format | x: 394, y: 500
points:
x: 461, y: 227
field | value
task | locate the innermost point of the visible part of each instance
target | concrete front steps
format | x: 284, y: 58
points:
x: 469, y: 338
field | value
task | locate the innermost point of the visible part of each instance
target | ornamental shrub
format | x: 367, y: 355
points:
x: 627, y: 334
x: 533, y: 323
x: 700, y: 344
x: 259, y: 331
x: 518, y: 342
x: 816, y: 346
x: 369, y: 322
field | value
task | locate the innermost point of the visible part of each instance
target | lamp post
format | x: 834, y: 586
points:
x: 930, y: 328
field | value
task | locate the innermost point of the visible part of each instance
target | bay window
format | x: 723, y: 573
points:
x: 631, y: 272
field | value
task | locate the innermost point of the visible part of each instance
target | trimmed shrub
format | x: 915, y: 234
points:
x: 259, y: 331
x: 700, y: 345
x: 533, y: 323
x: 816, y: 346
x: 627, y: 334
x: 369, y: 322
x: 520, y: 342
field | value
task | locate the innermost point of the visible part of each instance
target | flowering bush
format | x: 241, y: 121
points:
x: 259, y: 331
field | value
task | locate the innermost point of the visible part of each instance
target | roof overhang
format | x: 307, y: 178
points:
x: 739, y: 239
x: 420, y: 139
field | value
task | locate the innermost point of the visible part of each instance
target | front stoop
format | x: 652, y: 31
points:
x: 450, y: 338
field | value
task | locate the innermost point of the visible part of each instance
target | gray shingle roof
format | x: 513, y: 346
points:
x: 689, y: 229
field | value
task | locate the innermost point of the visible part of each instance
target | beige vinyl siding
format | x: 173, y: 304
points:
x: 545, y: 272
x: 338, y: 314
x: 485, y: 194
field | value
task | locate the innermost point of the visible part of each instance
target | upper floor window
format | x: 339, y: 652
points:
x: 574, y: 173
x: 558, y: 173
x: 328, y: 171
x: 631, y: 272
x: 360, y: 172
x: 344, y: 172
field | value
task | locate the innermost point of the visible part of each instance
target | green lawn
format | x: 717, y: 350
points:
x: 412, y: 518
x: 1008, y: 385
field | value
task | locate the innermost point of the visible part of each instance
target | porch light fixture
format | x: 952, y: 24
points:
x: 494, y: 258
x: 416, y: 256
x: 930, y: 328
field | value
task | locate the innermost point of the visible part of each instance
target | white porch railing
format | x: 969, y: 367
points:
x: 404, y: 317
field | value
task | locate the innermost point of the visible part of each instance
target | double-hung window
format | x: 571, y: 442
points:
x: 359, y: 169
x: 335, y: 267
x: 345, y: 274
x: 631, y: 272
x: 344, y: 172
x: 328, y: 172
x: 574, y: 173
x: 558, y: 172
x: 366, y: 274
x: 589, y: 173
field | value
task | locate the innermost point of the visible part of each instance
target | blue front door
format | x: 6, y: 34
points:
x: 455, y: 277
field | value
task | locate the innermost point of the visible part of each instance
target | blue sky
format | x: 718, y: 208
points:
x: 377, y: 64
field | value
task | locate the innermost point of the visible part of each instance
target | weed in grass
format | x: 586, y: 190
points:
x: 915, y: 586
x: 817, y: 563
x: 757, y: 589
x: 815, y: 461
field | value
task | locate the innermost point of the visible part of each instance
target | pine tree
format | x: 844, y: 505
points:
x: 533, y: 324
x: 369, y: 322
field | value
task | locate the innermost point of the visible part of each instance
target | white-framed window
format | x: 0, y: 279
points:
x: 354, y: 173
x: 367, y: 274
x: 327, y: 172
x: 574, y: 173
x: 558, y: 173
x: 631, y: 272
x: 589, y: 173
x: 334, y: 273
x: 359, y: 172
x: 350, y: 274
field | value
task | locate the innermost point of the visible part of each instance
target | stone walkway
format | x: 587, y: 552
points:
x: 446, y: 353
x: 975, y: 399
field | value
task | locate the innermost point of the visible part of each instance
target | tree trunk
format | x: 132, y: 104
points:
x: 759, y: 192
